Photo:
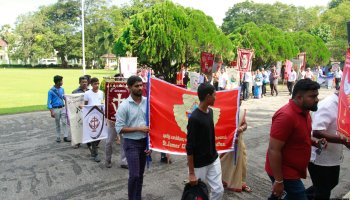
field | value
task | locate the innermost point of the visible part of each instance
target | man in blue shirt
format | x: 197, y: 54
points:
x: 131, y: 122
x: 55, y: 103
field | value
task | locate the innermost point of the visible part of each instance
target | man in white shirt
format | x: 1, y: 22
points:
x: 292, y: 77
x: 325, y: 162
x: 222, y: 79
x: 94, y: 97
x: 337, y: 75
x: 247, y: 79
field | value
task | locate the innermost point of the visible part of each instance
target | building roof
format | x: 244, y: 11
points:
x: 3, y: 43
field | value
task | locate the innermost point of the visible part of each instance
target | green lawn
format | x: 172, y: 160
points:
x: 25, y: 90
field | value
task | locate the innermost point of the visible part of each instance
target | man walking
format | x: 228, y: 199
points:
x: 325, y: 162
x: 273, y: 81
x: 289, y: 149
x: 202, y: 157
x: 55, y: 103
x: 131, y: 122
x: 292, y: 77
x: 247, y: 79
x: 94, y: 97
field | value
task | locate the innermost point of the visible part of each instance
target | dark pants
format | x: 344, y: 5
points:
x: 337, y: 83
x: 136, y: 158
x: 93, y: 146
x: 324, y: 179
x: 295, y: 190
x: 245, y: 90
x: 290, y: 86
x: 263, y: 89
x: 273, y: 87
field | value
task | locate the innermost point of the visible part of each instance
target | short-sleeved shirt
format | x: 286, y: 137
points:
x: 325, y: 118
x: 131, y: 114
x: 94, y: 98
x: 55, y: 97
x: 201, y: 138
x: 292, y: 126
x: 292, y: 76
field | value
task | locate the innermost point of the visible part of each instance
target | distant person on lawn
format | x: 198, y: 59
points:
x: 55, y: 103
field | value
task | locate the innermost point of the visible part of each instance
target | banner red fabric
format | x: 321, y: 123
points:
x: 244, y: 59
x: 170, y: 107
x: 207, y: 61
x: 344, y: 100
x: 116, y: 92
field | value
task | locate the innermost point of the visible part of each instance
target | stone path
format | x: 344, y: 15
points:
x: 34, y: 166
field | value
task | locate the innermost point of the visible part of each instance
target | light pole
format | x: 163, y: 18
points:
x: 83, y: 34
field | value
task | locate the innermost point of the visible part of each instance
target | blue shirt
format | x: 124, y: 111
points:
x: 53, y: 100
x: 130, y: 114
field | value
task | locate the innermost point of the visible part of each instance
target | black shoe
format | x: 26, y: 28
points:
x: 58, y: 140
x: 108, y: 164
x: 164, y: 160
x: 124, y: 166
x: 66, y: 139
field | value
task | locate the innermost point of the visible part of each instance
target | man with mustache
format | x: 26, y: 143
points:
x: 290, y: 143
x: 131, y: 122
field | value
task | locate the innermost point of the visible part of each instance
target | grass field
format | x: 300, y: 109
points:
x: 25, y: 90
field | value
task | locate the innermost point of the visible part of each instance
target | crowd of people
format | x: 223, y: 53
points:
x: 289, y: 154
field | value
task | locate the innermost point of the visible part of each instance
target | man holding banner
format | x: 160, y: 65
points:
x: 94, y: 97
x: 131, y: 122
x: 202, y: 157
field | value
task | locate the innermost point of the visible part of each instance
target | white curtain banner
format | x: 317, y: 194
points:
x: 194, y: 80
x: 94, y: 123
x: 128, y: 66
x: 75, y: 116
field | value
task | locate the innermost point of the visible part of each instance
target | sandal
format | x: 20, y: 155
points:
x: 246, y: 188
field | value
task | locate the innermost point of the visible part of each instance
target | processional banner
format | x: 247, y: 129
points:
x: 169, y: 112
x: 94, y: 123
x: 344, y: 100
x: 75, y: 116
x: 245, y: 59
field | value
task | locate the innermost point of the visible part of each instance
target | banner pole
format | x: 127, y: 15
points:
x: 148, y: 158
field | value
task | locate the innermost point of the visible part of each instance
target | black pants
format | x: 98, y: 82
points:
x: 263, y: 89
x: 290, y: 86
x: 245, y: 90
x: 337, y: 83
x: 93, y: 146
x: 273, y: 88
x: 324, y: 179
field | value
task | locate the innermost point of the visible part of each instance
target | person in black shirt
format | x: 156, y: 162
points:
x: 202, y: 157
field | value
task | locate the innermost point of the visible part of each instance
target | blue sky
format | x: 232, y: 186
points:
x: 10, y: 9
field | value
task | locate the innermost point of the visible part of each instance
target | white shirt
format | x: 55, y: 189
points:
x: 222, y: 80
x: 292, y: 76
x: 247, y: 77
x: 325, y: 118
x: 338, y: 74
x: 94, y: 98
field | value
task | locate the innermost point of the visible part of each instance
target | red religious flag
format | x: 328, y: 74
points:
x: 116, y: 92
x: 344, y: 100
x: 207, y: 61
x: 245, y: 59
x: 302, y: 57
x: 170, y: 107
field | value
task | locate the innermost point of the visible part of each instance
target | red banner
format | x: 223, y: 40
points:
x: 302, y: 57
x: 245, y: 59
x: 207, y: 61
x: 344, y: 100
x: 116, y: 92
x: 170, y: 107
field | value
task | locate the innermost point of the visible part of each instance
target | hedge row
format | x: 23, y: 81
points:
x: 40, y: 66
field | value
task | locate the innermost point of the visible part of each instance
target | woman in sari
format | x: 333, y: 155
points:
x: 258, y: 83
x: 234, y: 170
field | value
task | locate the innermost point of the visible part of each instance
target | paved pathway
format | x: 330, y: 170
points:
x: 34, y: 166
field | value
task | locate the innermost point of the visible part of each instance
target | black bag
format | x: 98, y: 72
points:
x: 197, y: 192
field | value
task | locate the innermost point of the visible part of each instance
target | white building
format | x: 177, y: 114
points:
x: 4, y: 58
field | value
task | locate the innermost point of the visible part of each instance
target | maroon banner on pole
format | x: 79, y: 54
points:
x: 207, y: 61
x: 116, y: 92
x: 245, y: 59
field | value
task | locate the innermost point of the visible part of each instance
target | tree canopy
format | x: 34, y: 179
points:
x: 168, y: 35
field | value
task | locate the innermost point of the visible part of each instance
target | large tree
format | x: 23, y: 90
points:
x: 282, y: 16
x: 168, y: 35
